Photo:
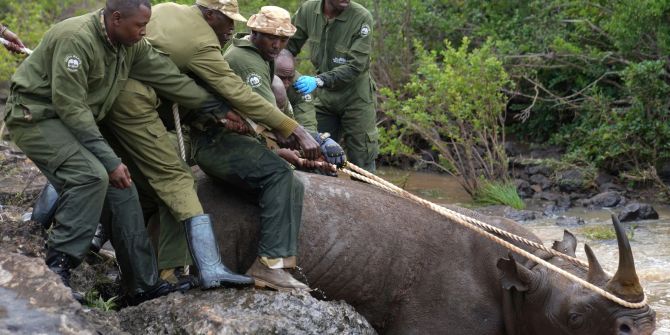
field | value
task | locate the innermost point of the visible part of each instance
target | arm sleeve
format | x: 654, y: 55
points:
x: 303, y: 109
x: 210, y: 66
x: 69, y: 87
x: 358, y: 59
x: 158, y: 71
x: 298, y: 39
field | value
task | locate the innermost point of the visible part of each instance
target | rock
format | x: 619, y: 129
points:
x: 571, y: 180
x: 523, y: 188
x: 34, y: 300
x: 569, y: 221
x: 563, y: 202
x: 551, y: 210
x: 604, y: 178
x: 550, y: 196
x: 638, y: 211
x: 610, y: 187
x: 520, y: 215
x: 536, y: 188
x: 606, y: 199
x: 248, y: 311
x: 539, y: 169
x: 541, y: 180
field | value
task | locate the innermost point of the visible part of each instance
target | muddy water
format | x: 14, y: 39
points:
x: 650, y: 242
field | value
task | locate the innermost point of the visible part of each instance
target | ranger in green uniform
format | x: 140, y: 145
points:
x: 339, y: 35
x: 58, y: 94
x: 302, y: 105
x: 192, y: 36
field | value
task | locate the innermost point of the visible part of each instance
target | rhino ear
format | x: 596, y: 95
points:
x: 515, y: 275
x: 568, y: 246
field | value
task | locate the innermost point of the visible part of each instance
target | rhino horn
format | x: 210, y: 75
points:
x: 625, y: 284
x: 596, y: 274
x: 568, y: 246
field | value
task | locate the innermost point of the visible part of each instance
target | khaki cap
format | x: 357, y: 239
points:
x: 272, y: 20
x: 227, y: 7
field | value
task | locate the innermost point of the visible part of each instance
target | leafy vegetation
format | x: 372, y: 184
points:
x: 454, y: 104
x: 93, y: 299
x: 499, y: 193
x: 605, y: 232
x: 591, y: 76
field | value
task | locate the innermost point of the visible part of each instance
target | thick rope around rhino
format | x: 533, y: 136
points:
x: 481, y: 228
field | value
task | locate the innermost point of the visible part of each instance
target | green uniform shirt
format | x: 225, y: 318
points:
x: 245, y: 60
x: 75, y: 74
x: 339, y: 48
x: 182, y: 32
x: 303, y: 106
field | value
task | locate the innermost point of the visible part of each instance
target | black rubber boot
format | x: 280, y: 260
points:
x: 61, y: 263
x: 205, y: 252
x: 44, y: 208
x: 99, y: 239
x: 161, y: 289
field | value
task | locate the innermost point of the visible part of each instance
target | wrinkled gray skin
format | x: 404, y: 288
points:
x: 409, y: 270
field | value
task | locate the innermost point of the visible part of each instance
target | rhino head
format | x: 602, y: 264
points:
x: 540, y: 301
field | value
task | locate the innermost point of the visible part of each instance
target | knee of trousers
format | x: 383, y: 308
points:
x: 363, y: 148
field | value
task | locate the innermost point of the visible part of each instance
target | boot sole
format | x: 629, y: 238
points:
x: 226, y: 284
x: 262, y: 284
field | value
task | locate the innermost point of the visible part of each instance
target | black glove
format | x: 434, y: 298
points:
x: 331, y: 150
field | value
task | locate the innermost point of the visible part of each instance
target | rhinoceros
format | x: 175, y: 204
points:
x: 409, y: 270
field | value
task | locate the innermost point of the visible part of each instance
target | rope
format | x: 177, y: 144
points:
x: 475, y: 225
x: 24, y: 49
x: 177, y: 125
x: 451, y: 214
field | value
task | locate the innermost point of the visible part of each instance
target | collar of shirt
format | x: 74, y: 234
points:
x: 344, y: 16
x: 103, y: 30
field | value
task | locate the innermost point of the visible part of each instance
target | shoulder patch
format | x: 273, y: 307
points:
x: 254, y: 80
x: 72, y: 63
x: 307, y: 97
x: 365, y: 30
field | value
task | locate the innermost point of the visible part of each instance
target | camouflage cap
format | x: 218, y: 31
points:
x: 272, y: 20
x: 227, y: 7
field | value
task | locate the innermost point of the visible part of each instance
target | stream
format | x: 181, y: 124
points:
x: 650, y: 239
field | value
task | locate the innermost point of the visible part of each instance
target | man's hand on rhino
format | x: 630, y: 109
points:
x: 232, y: 121
x: 310, y: 148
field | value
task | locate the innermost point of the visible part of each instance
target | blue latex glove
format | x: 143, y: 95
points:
x: 331, y: 150
x: 305, y: 84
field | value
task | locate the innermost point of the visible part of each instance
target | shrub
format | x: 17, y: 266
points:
x: 454, y: 103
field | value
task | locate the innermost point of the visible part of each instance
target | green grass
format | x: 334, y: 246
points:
x: 605, y: 232
x: 94, y: 300
x: 499, y: 193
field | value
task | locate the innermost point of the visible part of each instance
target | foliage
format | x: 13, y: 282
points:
x: 589, y: 75
x: 454, y: 103
x: 605, y: 232
x: 499, y: 193
x: 93, y: 299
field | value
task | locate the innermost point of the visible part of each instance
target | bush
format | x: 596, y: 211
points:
x: 499, y: 193
x: 454, y: 103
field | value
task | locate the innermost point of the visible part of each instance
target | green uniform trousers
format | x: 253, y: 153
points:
x: 236, y: 158
x: 350, y: 115
x: 135, y: 124
x: 84, y: 198
x: 164, y: 181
